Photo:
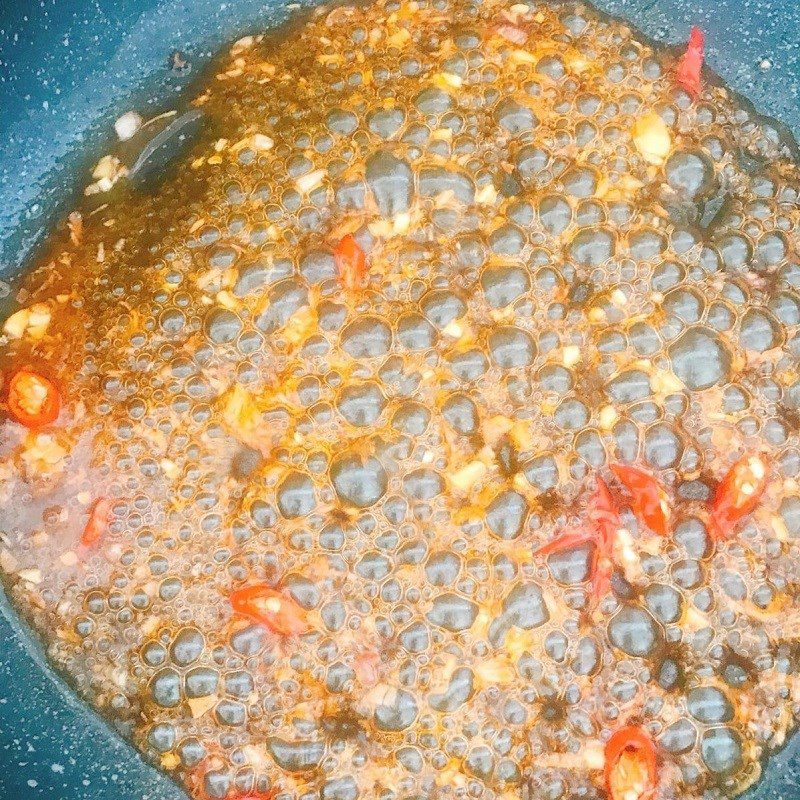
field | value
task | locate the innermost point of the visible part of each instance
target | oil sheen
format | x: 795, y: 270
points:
x: 434, y: 270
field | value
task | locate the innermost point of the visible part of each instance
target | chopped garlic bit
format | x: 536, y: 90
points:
x: 127, y: 125
x: 75, y: 225
x: 495, y: 671
x: 652, y: 138
x: 608, y: 416
x: 200, y: 705
x: 242, y: 417
x: 596, y: 316
x: 170, y: 761
x: 240, y: 45
x: 757, y: 467
x: 43, y: 453
x: 261, y: 141
x: 626, y: 556
x: 520, y: 56
x: 107, y: 167
x: 380, y: 695
x: 401, y: 223
x: 486, y: 195
x: 227, y: 300
x: 38, y: 320
x: 107, y: 171
x: 300, y: 325
x: 665, y: 382
x: 32, y: 321
x: 494, y: 428
x: 399, y: 39
x: 571, y: 355
x: 16, y: 324
x: 381, y: 228
x: 593, y: 754
x: 169, y: 468
x: 8, y: 562
x: 310, y: 181
x: 619, y: 298
x: 465, y: 478
x: 453, y: 329
x: 447, y: 80
x: 31, y: 575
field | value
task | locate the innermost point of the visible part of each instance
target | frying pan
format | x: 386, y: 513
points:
x: 68, y: 68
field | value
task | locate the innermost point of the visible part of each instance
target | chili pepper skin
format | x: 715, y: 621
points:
x: 351, y: 263
x: 603, y: 525
x: 602, y: 570
x: 649, y: 501
x: 688, y: 75
x: 631, y: 765
x: 33, y: 400
x: 737, y: 495
x: 567, y: 541
x: 603, y: 514
x: 270, y: 608
x: 99, y: 517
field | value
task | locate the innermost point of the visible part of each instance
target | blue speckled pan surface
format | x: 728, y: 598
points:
x: 67, y: 68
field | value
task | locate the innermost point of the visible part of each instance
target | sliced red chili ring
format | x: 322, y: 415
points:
x: 737, y: 495
x: 603, y: 514
x: 649, y: 501
x: 99, y: 517
x: 688, y: 75
x: 351, y: 262
x: 631, y: 764
x: 270, y: 608
x: 33, y: 400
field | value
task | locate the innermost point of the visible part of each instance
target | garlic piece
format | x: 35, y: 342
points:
x: 127, y: 125
x: 652, y: 138
x: 465, y: 478
x: 262, y: 142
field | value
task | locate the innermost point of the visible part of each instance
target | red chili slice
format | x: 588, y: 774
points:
x: 351, y: 263
x: 270, y: 608
x: 604, y: 515
x: 631, y: 765
x: 567, y: 541
x: 604, y: 522
x: 649, y: 501
x: 737, y: 495
x: 600, y: 568
x: 688, y: 76
x: 33, y: 400
x: 99, y: 517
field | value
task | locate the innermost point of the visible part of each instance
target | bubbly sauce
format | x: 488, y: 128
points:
x: 432, y: 432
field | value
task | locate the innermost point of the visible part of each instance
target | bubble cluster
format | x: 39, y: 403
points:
x: 545, y: 295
